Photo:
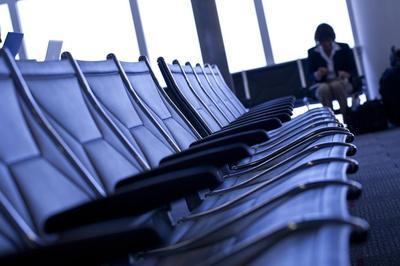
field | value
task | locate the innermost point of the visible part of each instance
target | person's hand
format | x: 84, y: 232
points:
x: 320, y: 73
x: 343, y: 74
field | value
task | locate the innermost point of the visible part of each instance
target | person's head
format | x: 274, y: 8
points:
x: 325, y: 36
x: 395, y: 57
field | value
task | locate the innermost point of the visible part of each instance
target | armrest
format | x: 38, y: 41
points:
x: 249, y: 138
x: 226, y: 132
x: 272, y: 105
x: 282, y: 116
x: 217, y: 156
x: 265, y: 124
x: 269, y: 112
x: 135, y: 196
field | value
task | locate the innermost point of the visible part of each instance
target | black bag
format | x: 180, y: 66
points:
x: 369, y: 117
x: 390, y: 92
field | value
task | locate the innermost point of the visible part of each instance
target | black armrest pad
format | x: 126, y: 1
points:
x: 282, y: 116
x: 217, y: 156
x: 136, y: 196
x: 250, y: 138
x: 200, y: 176
x: 273, y: 105
x: 265, y: 124
x: 266, y: 113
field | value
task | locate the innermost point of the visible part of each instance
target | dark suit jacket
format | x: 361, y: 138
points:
x: 343, y: 61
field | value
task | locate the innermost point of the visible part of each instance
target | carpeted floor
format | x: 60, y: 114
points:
x: 379, y: 173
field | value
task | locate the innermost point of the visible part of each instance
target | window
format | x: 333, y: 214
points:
x: 292, y: 23
x: 241, y: 34
x: 170, y: 30
x: 5, y: 21
x: 90, y: 29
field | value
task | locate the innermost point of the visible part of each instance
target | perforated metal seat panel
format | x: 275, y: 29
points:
x: 85, y: 131
x: 36, y: 181
x: 114, y: 97
x: 168, y: 117
x: 196, y: 103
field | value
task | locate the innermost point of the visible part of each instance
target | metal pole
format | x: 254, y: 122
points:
x: 262, y: 24
x: 141, y: 39
x: 16, y: 23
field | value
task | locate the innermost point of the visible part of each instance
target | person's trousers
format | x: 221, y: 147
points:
x: 334, y: 90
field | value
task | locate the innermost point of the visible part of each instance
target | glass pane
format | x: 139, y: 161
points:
x: 5, y: 22
x: 170, y: 30
x: 292, y: 23
x: 90, y: 29
x: 241, y: 34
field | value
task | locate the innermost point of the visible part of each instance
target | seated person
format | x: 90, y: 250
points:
x: 331, y: 65
x: 390, y: 89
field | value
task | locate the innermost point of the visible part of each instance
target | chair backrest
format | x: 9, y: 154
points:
x: 220, y: 92
x: 39, y: 175
x: 226, y: 88
x: 10, y: 240
x: 167, y: 116
x: 12, y: 149
x: 196, y: 89
x: 118, y: 101
x: 206, y: 86
x: 81, y: 122
x: 182, y: 94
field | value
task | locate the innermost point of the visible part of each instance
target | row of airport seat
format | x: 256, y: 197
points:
x: 101, y: 165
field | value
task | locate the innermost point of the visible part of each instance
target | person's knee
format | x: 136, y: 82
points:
x: 340, y: 94
x: 338, y: 87
x: 323, y: 91
x: 349, y: 88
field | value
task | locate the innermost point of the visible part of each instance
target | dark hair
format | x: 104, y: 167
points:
x: 395, y: 57
x: 324, y: 32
